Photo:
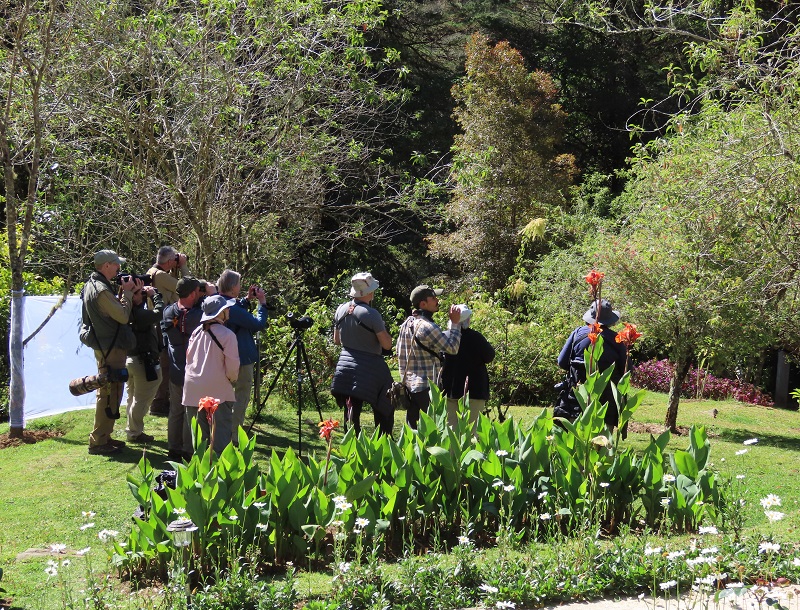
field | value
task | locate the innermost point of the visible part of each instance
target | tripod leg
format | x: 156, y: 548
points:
x: 298, y: 370
x: 273, y: 384
x: 302, y: 350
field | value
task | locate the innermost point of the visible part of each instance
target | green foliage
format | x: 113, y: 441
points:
x: 431, y: 484
x: 506, y: 169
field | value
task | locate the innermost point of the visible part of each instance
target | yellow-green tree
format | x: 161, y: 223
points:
x: 507, y: 170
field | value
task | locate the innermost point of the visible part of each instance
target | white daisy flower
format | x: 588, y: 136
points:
x: 488, y: 588
x: 58, y: 548
x: 770, y: 501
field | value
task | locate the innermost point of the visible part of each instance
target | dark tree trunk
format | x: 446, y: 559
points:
x: 676, y: 383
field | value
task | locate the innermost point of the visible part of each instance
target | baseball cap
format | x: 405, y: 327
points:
x: 422, y: 292
x: 107, y: 256
x: 186, y: 286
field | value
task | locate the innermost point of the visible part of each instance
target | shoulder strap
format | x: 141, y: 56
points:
x: 350, y: 310
x: 91, y: 326
x: 425, y: 347
x: 214, y: 337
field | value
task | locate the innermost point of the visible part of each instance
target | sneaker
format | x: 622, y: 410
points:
x: 106, y: 449
x: 142, y: 438
x: 115, y: 443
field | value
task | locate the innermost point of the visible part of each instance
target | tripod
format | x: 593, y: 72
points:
x: 301, y: 359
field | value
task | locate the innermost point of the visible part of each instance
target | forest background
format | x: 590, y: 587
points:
x: 500, y: 149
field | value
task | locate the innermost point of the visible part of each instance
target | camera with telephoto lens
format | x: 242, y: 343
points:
x: 84, y: 385
x: 299, y: 323
x: 122, y: 277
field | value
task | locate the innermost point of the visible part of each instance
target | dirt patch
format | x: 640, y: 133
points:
x: 29, y: 437
x: 654, y: 429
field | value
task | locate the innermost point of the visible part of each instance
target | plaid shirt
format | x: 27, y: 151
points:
x: 417, y: 366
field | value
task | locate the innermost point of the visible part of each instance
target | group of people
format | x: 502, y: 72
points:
x: 176, y: 340
x: 202, y: 335
x: 455, y: 358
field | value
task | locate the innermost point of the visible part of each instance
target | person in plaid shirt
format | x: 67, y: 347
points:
x: 420, y: 345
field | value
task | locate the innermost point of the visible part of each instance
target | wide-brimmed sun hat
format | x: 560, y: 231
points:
x: 607, y: 317
x: 363, y: 284
x: 215, y: 305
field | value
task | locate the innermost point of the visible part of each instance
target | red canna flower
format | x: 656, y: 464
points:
x: 327, y: 427
x: 595, y: 278
x: 593, y: 337
x: 628, y: 335
x: 209, y: 405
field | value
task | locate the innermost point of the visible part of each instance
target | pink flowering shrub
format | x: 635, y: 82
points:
x: 655, y: 375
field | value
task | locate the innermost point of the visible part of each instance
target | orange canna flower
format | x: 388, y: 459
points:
x: 209, y: 405
x: 593, y: 337
x: 327, y: 427
x: 595, y: 327
x: 628, y: 335
x: 595, y: 278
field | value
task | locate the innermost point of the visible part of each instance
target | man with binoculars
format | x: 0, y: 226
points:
x: 170, y: 266
x: 105, y: 329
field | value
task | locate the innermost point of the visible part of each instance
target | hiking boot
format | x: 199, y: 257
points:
x: 106, y: 449
x: 142, y: 438
x: 159, y: 409
x: 115, y: 443
x: 179, y: 456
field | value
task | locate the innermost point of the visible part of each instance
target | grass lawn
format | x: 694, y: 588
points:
x: 47, y: 487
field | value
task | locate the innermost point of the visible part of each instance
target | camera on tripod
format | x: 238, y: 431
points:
x: 299, y: 323
x: 147, y: 280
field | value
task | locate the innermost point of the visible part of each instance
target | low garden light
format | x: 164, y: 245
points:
x: 182, y: 531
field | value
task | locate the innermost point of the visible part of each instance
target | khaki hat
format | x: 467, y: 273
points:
x: 422, y: 292
x: 107, y: 256
x: 363, y: 284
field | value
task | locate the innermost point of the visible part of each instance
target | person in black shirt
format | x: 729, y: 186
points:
x: 465, y: 372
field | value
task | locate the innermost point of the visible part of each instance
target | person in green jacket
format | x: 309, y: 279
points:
x: 105, y: 329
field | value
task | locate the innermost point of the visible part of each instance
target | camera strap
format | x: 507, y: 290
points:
x: 91, y: 326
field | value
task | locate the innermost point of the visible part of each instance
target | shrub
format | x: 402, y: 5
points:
x: 655, y: 375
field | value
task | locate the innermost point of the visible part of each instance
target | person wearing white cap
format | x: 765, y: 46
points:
x: 421, y: 345
x: 465, y: 374
x: 362, y: 375
x: 212, y: 367
x: 105, y: 329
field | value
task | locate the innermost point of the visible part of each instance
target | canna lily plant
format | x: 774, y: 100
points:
x: 209, y: 405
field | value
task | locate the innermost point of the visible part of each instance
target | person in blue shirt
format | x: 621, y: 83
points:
x: 245, y: 325
x: 614, y: 354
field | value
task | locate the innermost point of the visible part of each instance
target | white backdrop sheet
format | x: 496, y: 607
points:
x: 54, y: 357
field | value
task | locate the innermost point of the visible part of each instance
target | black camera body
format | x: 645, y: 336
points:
x: 151, y: 365
x: 299, y: 323
x: 147, y: 280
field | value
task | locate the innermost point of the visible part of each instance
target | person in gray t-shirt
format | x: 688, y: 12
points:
x: 362, y: 374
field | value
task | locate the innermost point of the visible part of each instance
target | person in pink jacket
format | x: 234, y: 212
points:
x: 212, y: 367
